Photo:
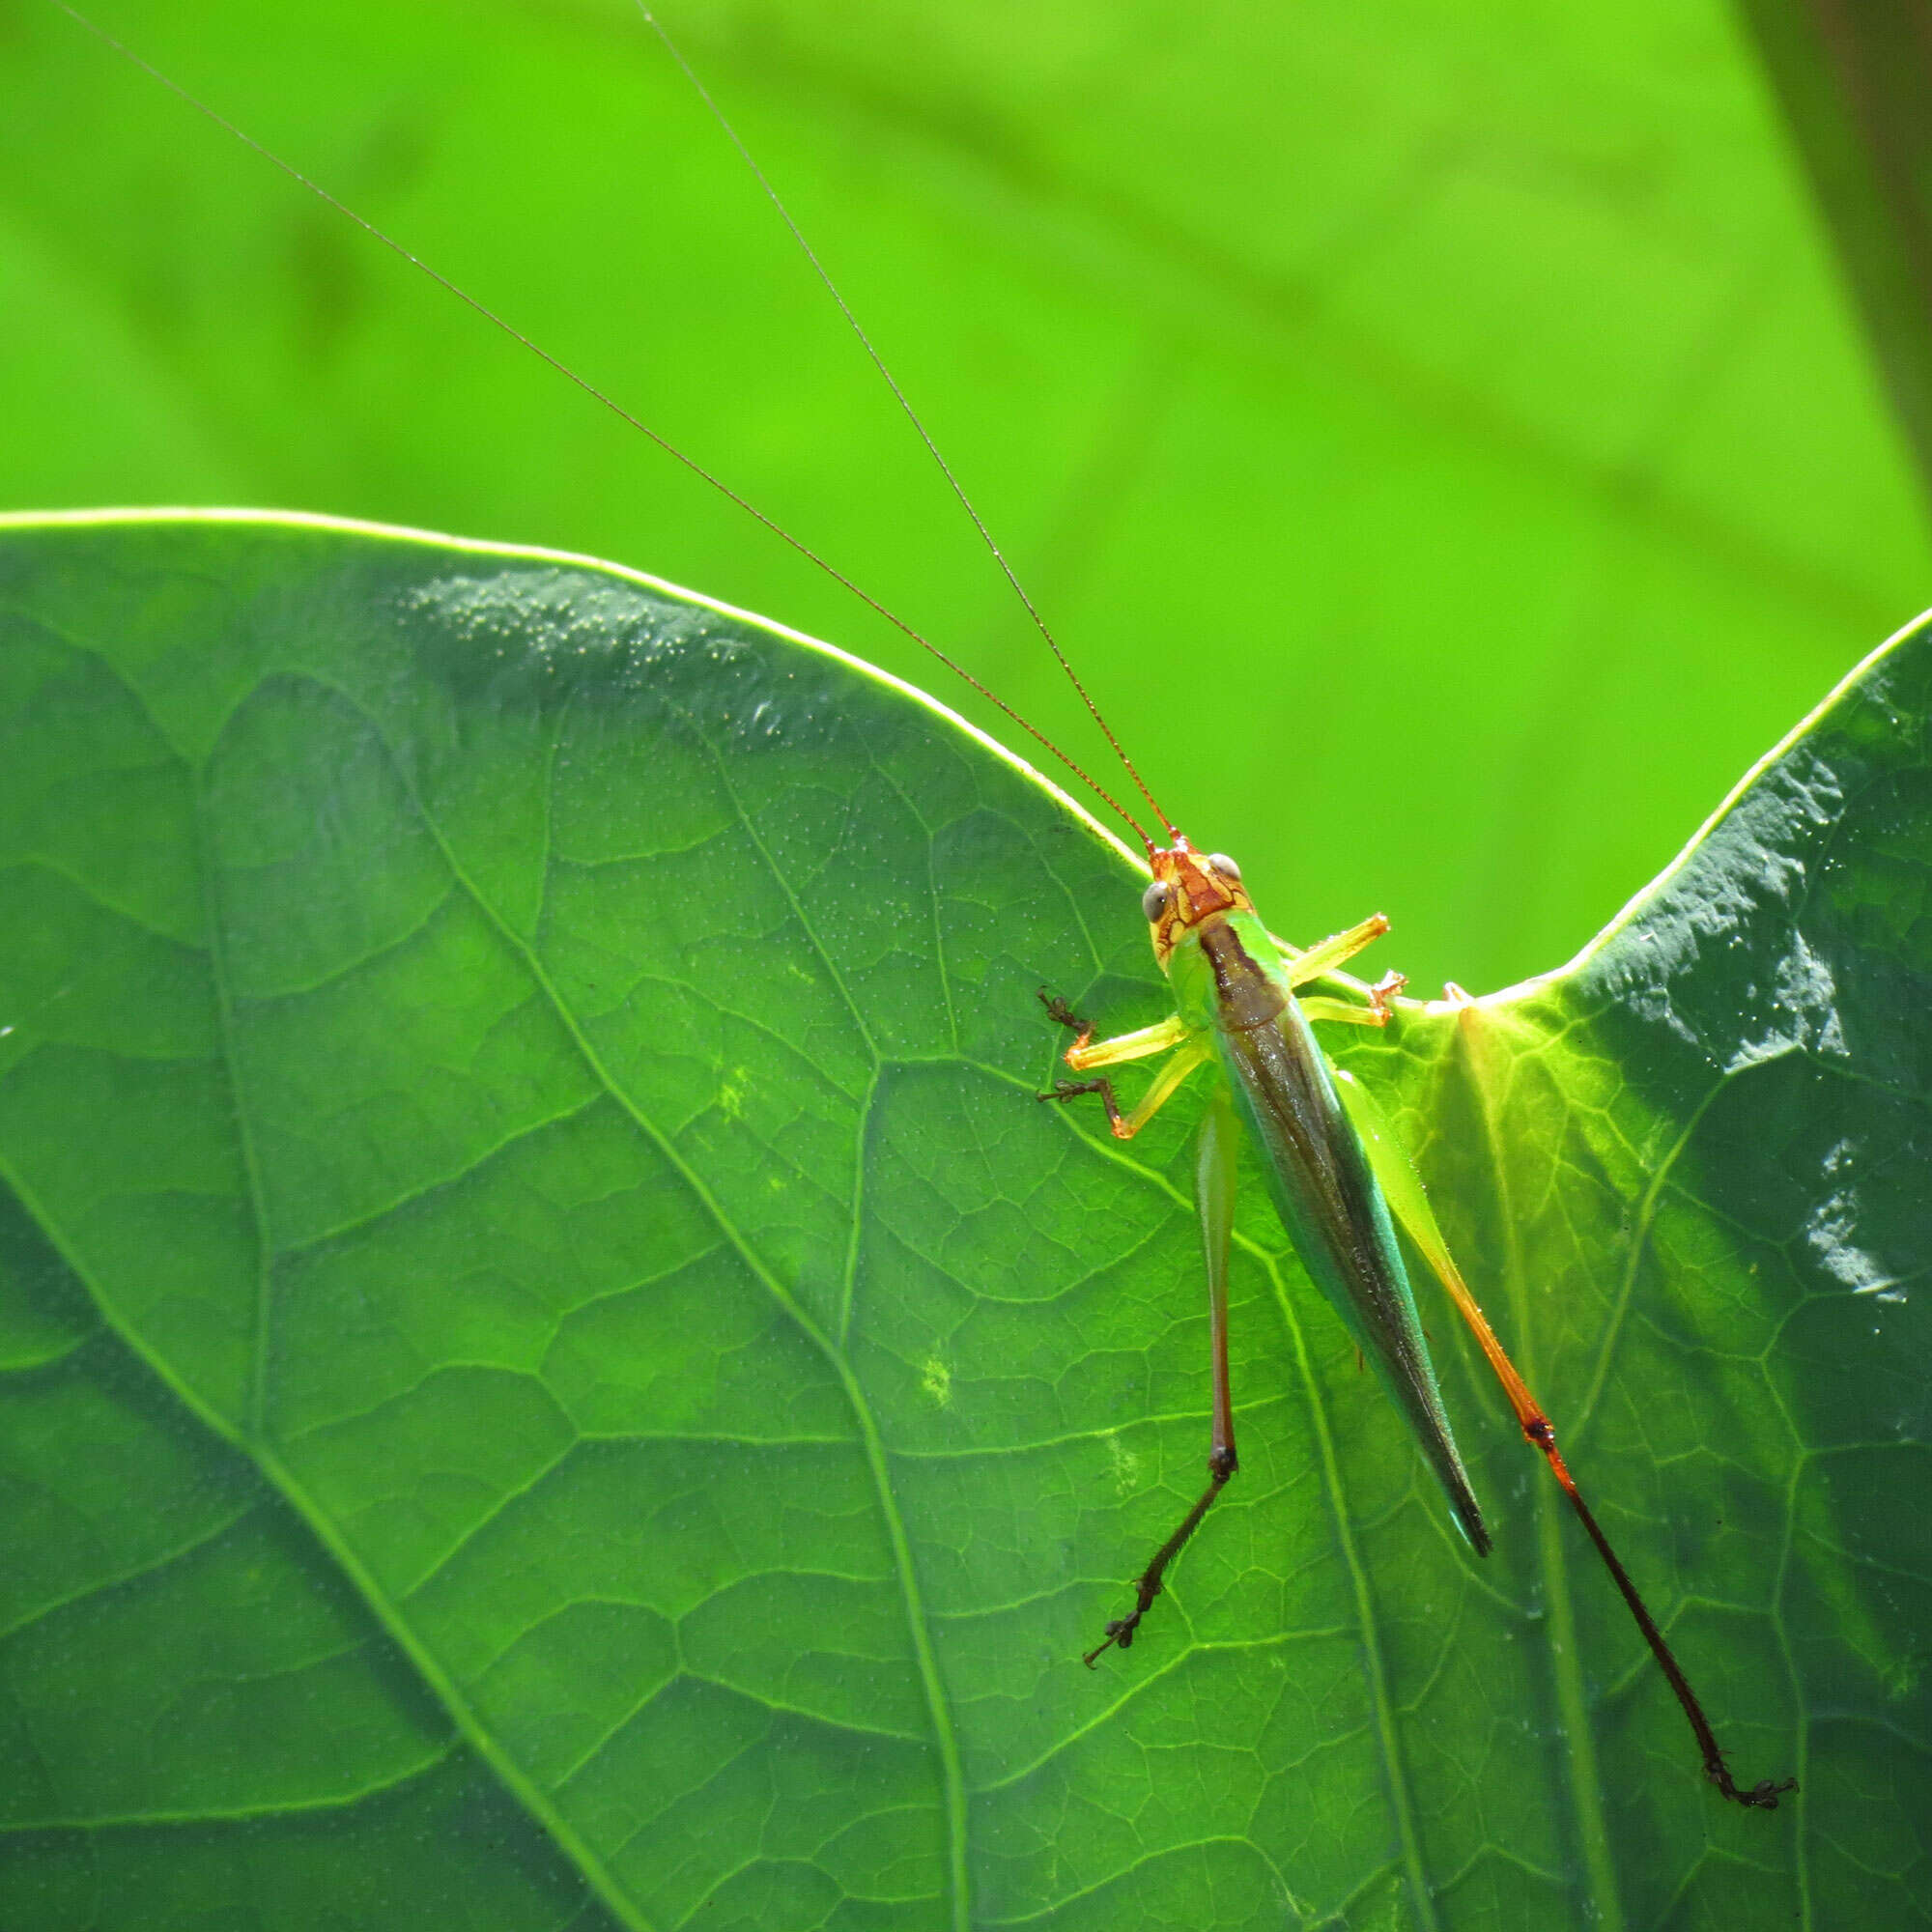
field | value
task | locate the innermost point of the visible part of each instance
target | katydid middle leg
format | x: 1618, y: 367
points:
x: 1373, y: 1012
x: 1215, y: 1197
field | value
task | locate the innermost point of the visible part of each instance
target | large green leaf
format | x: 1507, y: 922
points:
x: 555, y: 1374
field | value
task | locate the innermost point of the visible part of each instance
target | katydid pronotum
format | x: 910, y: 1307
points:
x: 1338, y: 1176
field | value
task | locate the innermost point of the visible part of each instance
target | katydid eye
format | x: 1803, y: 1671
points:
x: 1154, y: 901
x: 1219, y: 862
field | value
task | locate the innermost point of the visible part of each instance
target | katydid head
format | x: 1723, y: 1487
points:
x: 1189, y: 889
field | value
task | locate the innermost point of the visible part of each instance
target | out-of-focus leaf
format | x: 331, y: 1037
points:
x: 1317, y: 353
x: 551, y: 1371
x: 1853, y: 77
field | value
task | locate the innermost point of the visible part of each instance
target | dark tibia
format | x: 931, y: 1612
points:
x: 1761, y: 1797
x: 1120, y: 1631
x: 1072, y: 1089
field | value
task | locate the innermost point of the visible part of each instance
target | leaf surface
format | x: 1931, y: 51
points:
x: 551, y: 1371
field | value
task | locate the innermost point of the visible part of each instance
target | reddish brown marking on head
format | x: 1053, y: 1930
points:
x: 1189, y: 889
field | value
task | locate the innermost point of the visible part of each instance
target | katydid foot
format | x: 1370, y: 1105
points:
x: 1384, y: 990
x: 1072, y: 1090
x: 1058, y: 1012
x: 1221, y: 1464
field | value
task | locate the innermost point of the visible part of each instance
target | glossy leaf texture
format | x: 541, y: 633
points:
x: 553, y: 1372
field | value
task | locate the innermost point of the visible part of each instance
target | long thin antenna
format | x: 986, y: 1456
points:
x: 615, y: 408
x: 904, y: 401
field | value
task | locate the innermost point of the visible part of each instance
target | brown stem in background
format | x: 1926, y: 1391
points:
x: 1854, y: 78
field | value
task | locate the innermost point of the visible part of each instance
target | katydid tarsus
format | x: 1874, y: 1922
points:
x: 1244, y: 1001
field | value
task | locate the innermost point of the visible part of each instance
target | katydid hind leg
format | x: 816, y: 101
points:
x: 1403, y: 1189
x: 1214, y: 1197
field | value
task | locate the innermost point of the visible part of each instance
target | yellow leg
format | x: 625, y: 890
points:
x: 1086, y: 1052
x: 1166, y: 1084
x: 1141, y: 1046
x: 1328, y: 953
x: 1374, y: 1011
x: 1317, y: 1009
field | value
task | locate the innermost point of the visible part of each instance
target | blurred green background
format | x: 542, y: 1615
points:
x: 1463, y: 404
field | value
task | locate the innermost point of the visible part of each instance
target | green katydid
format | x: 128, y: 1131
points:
x: 1339, y: 1178
x: 1335, y: 1171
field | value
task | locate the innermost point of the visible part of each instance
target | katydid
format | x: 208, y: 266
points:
x: 1244, y: 1001
x: 1335, y: 1171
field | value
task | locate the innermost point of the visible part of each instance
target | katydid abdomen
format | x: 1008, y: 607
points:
x: 1320, y: 1181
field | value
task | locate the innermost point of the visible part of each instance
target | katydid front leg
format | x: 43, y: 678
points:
x: 1310, y: 963
x: 1173, y: 1033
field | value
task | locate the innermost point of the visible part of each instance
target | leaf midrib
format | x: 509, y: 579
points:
x: 938, y: 1709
